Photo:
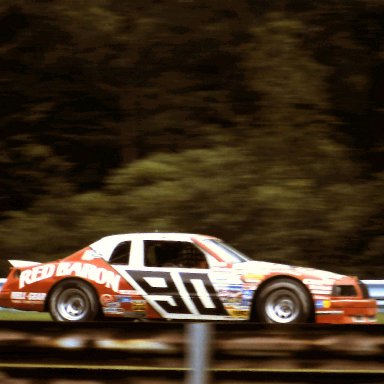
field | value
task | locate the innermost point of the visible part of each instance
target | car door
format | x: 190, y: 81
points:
x: 175, y: 282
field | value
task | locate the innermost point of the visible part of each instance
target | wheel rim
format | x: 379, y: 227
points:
x: 72, y: 305
x: 282, y: 306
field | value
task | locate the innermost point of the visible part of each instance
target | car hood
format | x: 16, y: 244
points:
x: 264, y: 268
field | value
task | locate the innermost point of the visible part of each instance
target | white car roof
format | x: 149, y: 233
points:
x: 107, y: 244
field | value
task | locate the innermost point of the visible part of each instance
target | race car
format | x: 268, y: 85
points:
x: 177, y: 276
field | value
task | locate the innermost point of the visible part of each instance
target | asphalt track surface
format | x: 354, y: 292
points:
x: 152, y: 352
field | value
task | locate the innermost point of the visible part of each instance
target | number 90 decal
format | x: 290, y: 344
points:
x: 177, y: 294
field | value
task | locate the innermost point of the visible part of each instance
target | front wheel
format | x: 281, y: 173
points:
x: 73, y: 300
x: 283, y: 301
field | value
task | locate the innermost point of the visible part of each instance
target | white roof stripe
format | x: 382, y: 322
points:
x: 107, y: 244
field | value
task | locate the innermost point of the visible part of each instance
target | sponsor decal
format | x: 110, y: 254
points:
x: 91, y: 272
x: 35, y: 274
x: 253, y: 278
x: 231, y: 296
x: 113, y: 310
x: 247, y: 297
x: 138, y: 305
x: 175, y: 294
x: 237, y: 298
x: 106, y: 299
x: 123, y: 299
x: 129, y: 292
x: 238, y: 312
x: 28, y: 296
x: 36, y: 296
x: 18, y: 295
x: 110, y: 304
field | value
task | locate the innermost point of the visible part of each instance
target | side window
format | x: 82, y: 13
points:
x: 120, y: 254
x: 176, y: 254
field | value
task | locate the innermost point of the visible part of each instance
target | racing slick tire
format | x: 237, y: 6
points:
x: 284, y: 301
x: 73, y: 300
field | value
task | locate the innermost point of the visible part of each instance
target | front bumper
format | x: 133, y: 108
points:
x: 346, y: 311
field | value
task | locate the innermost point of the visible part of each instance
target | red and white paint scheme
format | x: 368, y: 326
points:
x: 182, y: 277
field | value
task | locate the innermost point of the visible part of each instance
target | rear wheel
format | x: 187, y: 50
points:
x: 73, y: 300
x: 283, y: 301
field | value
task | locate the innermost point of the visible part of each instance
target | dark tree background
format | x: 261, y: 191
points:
x: 256, y: 121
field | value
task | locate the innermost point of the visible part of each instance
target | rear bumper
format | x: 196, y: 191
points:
x: 4, y: 298
x: 348, y: 311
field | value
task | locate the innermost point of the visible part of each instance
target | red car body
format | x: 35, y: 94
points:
x: 182, y: 277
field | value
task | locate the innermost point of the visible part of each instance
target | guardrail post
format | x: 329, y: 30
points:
x: 198, y: 353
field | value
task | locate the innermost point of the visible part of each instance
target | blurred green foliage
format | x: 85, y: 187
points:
x: 258, y: 122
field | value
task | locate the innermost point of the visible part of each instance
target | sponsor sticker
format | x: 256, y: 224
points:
x: 138, y: 305
x: 18, y: 295
x: 113, y: 310
x: 247, y: 297
x: 106, y: 299
x: 238, y: 312
x: 123, y: 299
x: 129, y: 292
x: 28, y: 296
x: 88, y: 271
x: 252, y: 278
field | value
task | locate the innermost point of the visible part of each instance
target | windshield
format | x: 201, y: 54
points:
x: 227, y: 253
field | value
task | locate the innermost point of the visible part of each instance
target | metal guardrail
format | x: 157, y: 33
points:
x: 159, y: 353
x: 376, y: 291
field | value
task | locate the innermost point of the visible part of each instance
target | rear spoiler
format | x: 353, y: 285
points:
x: 22, y: 263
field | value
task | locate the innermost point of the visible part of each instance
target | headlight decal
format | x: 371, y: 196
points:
x: 344, y: 290
x: 320, y: 304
